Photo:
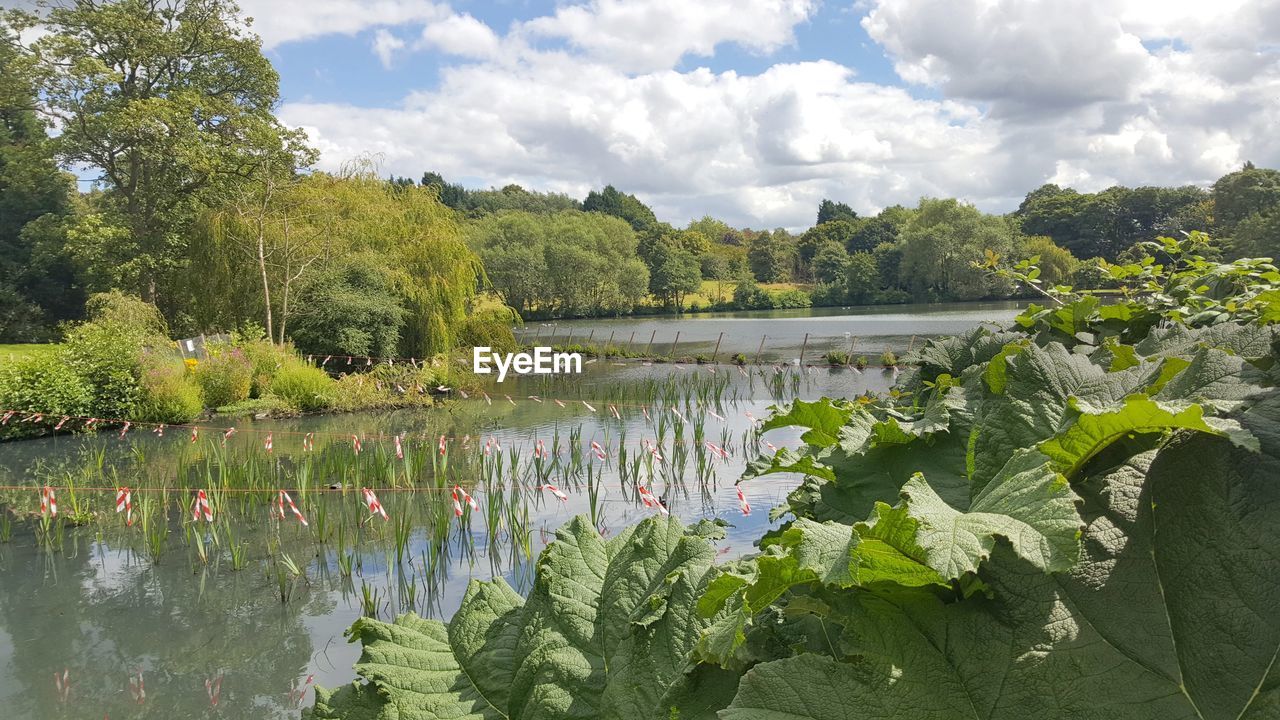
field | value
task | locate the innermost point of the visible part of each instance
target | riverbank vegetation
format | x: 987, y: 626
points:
x: 1075, y: 504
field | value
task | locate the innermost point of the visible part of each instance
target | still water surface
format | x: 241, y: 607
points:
x: 101, y: 610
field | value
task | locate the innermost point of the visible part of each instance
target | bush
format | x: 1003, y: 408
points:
x: 168, y: 394
x: 42, y: 383
x: 107, y: 350
x: 225, y: 377
x: 304, y: 386
x: 490, y: 328
x: 792, y: 299
x: 838, y: 357
x: 888, y: 358
x: 265, y: 358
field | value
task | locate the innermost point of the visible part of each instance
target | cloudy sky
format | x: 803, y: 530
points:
x: 754, y: 110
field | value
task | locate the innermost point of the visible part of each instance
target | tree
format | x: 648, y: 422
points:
x: 829, y: 211
x: 940, y: 244
x: 1057, y: 265
x: 717, y: 231
x: 837, y: 231
x: 350, y: 308
x: 676, y: 271
x: 772, y: 256
x: 172, y: 102
x: 862, y: 277
x: 830, y: 263
x: 1243, y: 193
x: 31, y: 188
x: 280, y: 228
x: 611, y: 201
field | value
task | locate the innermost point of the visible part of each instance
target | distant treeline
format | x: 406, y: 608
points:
x: 549, y: 255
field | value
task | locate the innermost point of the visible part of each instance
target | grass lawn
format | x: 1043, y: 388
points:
x: 9, y: 353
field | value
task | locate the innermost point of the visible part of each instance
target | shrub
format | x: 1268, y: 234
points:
x: 107, y: 350
x: 838, y: 357
x: 168, y: 394
x: 225, y: 377
x: 490, y: 328
x: 349, y: 309
x: 304, y: 386
x: 792, y: 299
x: 265, y: 358
x: 42, y: 383
x: 888, y: 358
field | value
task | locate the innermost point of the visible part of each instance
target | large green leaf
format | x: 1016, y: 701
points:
x: 1173, y: 611
x: 606, y: 633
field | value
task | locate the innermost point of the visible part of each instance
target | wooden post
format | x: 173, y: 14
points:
x: 759, y: 350
x: 569, y: 342
x: 804, y: 347
x: 646, y: 347
x: 673, y: 344
x: 717, y: 351
x: 538, y: 335
x: 850, y: 351
x: 608, y: 344
x: 591, y: 337
x: 631, y: 343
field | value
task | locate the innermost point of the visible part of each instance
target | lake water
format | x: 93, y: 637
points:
x: 101, y: 610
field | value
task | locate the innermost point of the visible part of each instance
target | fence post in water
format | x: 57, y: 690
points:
x: 850, y: 360
x: 590, y: 338
x: 804, y: 347
x: 646, y: 347
x: 538, y: 334
x: 717, y: 352
x: 608, y: 344
x: 673, y: 344
x: 759, y: 350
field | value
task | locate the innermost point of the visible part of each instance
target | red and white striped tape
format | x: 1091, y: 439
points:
x: 554, y: 491
x: 742, y: 502
x: 647, y: 497
x: 200, y: 509
x: 284, y: 498
x: 124, y: 503
x: 375, y: 507
x: 48, y: 502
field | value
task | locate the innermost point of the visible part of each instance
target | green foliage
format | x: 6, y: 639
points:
x: 940, y: 242
x: 1067, y: 519
x: 606, y: 633
x: 225, y: 377
x: 490, y: 328
x: 565, y: 264
x: 304, y: 386
x: 160, y: 134
x: 830, y: 211
x: 107, y: 350
x: 862, y: 277
x: 772, y: 255
x: 831, y: 264
x: 43, y: 383
x: 349, y: 308
x: 611, y: 201
x: 167, y: 393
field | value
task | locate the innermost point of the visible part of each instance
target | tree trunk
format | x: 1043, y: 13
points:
x: 266, y: 285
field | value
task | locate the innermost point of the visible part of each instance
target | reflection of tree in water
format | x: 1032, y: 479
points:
x: 101, y: 615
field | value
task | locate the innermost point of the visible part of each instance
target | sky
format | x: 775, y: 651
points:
x: 753, y: 111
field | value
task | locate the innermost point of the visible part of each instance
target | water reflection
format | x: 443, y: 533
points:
x: 101, y: 609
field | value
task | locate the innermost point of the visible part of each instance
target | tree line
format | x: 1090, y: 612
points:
x: 208, y: 207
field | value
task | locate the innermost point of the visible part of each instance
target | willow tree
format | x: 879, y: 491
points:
x: 260, y: 246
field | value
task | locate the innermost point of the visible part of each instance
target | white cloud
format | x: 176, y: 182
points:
x: 283, y: 21
x: 655, y: 35
x: 1077, y: 92
x: 762, y: 150
x: 385, y: 46
x: 461, y: 35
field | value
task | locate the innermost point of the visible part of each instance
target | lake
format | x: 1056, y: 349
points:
x: 199, y: 624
